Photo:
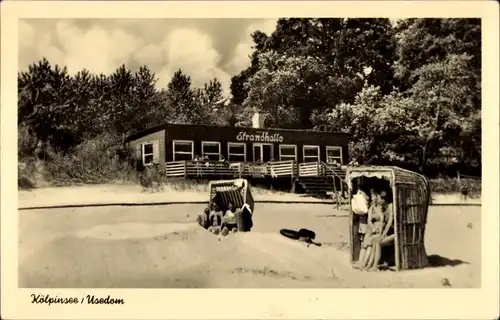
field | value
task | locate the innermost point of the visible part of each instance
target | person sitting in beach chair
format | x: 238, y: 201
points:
x: 386, y: 237
x: 215, y: 219
x: 380, y: 219
x: 203, y: 219
x: 360, y: 207
x: 374, y: 230
x: 365, y: 227
x: 229, y: 219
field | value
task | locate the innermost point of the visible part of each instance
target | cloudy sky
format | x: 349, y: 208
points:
x: 202, y: 48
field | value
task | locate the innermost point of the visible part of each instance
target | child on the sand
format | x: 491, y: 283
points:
x: 203, y: 219
x: 215, y: 219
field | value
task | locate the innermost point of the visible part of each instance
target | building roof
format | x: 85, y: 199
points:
x: 164, y: 125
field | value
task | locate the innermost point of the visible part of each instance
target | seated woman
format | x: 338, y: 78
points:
x: 229, y: 219
x: 372, y: 226
x: 360, y: 207
x: 387, y: 235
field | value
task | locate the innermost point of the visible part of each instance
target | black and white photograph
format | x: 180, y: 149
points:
x: 263, y: 153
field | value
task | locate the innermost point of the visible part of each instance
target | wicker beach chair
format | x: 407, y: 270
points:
x: 238, y: 192
x: 410, y: 201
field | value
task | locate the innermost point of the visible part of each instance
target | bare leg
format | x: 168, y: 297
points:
x: 370, y: 259
x: 377, y: 255
x: 388, y: 240
x: 361, y: 258
x: 367, y: 256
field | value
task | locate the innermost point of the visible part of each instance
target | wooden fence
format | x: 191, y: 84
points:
x: 310, y: 169
x: 273, y: 169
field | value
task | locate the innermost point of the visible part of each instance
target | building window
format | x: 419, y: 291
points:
x: 288, y: 152
x: 211, y: 149
x: 183, y: 150
x: 236, y: 152
x: 147, y: 154
x: 334, y: 154
x: 311, y: 153
x: 263, y: 152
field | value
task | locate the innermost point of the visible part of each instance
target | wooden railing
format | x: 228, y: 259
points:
x: 338, y: 174
x: 235, y: 169
x: 254, y: 169
x: 310, y: 169
x: 330, y: 169
x: 212, y: 168
x: 175, y: 169
x: 281, y: 168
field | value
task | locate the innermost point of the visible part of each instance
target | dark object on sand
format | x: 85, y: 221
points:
x: 445, y: 282
x: 303, y: 235
x: 292, y: 234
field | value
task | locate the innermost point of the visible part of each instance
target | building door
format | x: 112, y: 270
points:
x: 263, y: 152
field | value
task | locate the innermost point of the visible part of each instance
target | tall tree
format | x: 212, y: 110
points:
x: 45, y: 101
x: 100, y: 104
x: 146, y: 99
x: 122, y: 111
x: 238, y: 90
x: 444, y: 94
x: 180, y: 99
x: 439, y: 63
x: 82, y: 87
x: 212, y: 93
x: 324, y: 60
x: 212, y: 102
x: 423, y: 41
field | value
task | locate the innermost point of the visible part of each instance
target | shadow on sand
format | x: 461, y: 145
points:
x: 439, y: 261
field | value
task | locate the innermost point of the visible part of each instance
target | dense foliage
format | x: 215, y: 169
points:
x: 408, y: 93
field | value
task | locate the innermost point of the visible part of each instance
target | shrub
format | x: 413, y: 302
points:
x: 453, y: 185
x: 26, y: 174
x: 99, y: 160
x: 26, y: 142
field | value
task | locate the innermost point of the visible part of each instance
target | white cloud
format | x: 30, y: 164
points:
x: 244, y: 48
x: 162, y: 45
x: 192, y: 51
x: 26, y: 34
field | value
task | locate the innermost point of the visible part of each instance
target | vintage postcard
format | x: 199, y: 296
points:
x: 291, y: 159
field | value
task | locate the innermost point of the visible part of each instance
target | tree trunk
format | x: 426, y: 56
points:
x: 423, y: 159
x: 305, y: 116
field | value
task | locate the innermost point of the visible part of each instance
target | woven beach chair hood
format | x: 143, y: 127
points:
x: 237, y: 191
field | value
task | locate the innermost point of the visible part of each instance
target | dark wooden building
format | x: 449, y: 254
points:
x: 178, y: 142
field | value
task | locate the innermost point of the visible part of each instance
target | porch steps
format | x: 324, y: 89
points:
x: 316, y: 186
x: 322, y: 187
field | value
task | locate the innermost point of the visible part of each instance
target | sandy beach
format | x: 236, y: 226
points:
x: 162, y: 247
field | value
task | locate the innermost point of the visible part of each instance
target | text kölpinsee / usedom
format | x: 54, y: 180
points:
x: 88, y: 299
